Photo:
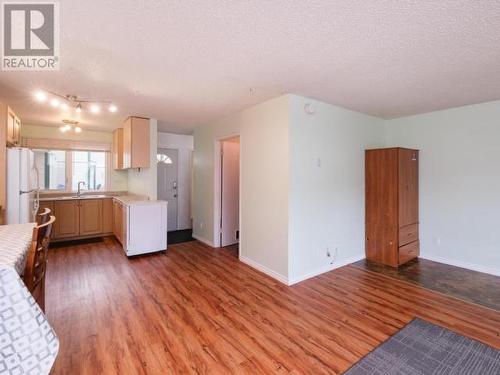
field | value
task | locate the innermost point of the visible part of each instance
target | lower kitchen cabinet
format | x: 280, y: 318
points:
x: 81, y: 218
x: 90, y: 217
x: 107, y: 216
x: 67, y: 223
x: 119, y: 221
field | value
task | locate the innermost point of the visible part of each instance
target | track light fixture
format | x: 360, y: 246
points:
x: 66, y: 102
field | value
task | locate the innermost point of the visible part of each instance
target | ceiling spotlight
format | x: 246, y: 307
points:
x: 40, y: 96
x: 64, y: 106
x: 63, y: 129
x: 55, y: 103
x: 112, y: 108
x: 79, y: 108
x: 94, y: 108
x: 78, y: 129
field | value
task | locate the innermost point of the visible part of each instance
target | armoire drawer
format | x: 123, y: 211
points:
x: 408, y: 234
x: 409, y: 251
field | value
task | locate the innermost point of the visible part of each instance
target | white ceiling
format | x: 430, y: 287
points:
x: 188, y: 62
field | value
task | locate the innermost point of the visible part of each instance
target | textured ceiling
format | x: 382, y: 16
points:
x: 188, y: 62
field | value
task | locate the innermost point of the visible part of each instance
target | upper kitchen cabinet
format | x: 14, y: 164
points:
x: 12, y: 125
x: 136, y: 143
x: 10, y: 135
x: 117, y: 149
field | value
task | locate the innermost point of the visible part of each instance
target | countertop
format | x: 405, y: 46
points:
x: 126, y: 199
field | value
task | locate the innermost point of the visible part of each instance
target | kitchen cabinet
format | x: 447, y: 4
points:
x: 90, y: 217
x: 120, y: 221
x: 67, y: 224
x: 81, y: 218
x: 10, y: 135
x: 13, y: 128
x: 107, y: 216
x: 117, y: 149
x: 392, y: 217
x: 136, y: 145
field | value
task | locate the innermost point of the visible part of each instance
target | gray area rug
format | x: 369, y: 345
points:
x: 424, y: 348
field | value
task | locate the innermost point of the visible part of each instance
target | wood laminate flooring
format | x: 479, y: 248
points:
x: 470, y: 286
x: 199, y: 310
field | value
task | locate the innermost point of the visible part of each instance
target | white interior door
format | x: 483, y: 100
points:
x: 230, y: 192
x: 168, y: 188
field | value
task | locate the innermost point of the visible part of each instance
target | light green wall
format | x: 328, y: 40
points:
x: 118, y: 179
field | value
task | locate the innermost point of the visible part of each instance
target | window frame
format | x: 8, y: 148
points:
x: 68, y: 180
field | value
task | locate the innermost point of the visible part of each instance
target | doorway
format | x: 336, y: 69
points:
x: 229, y: 191
x: 167, y: 184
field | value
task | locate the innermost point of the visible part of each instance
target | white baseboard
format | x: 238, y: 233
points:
x: 202, y: 239
x: 466, y: 265
x: 327, y: 268
x: 264, y: 269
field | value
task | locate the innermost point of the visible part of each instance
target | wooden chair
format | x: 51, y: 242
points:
x: 43, y: 216
x: 36, y: 262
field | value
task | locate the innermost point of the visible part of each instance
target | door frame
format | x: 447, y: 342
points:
x: 218, y: 188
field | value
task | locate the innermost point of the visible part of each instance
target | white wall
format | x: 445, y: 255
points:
x: 143, y: 181
x: 203, y: 175
x: 263, y: 133
x: 118, y: 179
x: 327, y: 185
x: 184, y: 144
x: 459, y: 182
x: 302, y: 184
x: 264, y: 187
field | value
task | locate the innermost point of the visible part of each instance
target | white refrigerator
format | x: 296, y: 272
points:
x: 22, y: 186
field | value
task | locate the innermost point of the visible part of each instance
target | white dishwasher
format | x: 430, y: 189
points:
x: 146, y: 227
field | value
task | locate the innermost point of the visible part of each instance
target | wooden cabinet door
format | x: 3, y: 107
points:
x: 90, y: 217
x: 381, y: 200
x: 107, y: 215
x: 408, y: 187
x: 136, y: 143
x: 117, y: 149
x: 17, y: 131
x: 124, y: 225
x: 140, y: 143
x: 127, y: 143
x: 117, y: 221
x: 11, y: 126
x: 67, y: 223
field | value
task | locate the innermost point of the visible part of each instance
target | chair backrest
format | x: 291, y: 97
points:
x: 36, y: 262
x: 43, y: 216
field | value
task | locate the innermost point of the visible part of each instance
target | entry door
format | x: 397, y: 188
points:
x: 230, y: 192
x: 168, y: 183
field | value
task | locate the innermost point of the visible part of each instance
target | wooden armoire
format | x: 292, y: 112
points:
x: 391, y: 205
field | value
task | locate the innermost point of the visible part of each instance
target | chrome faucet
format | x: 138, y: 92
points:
x: 79, y: 192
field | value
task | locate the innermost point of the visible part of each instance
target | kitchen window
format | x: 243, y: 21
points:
x: 51, y: 166
x: 62, y: 170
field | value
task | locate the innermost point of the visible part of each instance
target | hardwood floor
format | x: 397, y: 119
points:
x: 467, y: 285
x: 200, y: 310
